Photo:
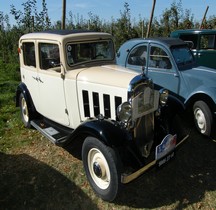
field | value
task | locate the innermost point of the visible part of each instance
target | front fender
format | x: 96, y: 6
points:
x: 174, y: 105
x: 105, y: 130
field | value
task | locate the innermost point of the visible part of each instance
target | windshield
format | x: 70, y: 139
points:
x: 89, y: 51
x: 183, y: 57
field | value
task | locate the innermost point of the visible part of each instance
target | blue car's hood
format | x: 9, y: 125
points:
x: 199, y: 76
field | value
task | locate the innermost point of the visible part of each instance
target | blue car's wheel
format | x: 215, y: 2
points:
x: 203, y: 118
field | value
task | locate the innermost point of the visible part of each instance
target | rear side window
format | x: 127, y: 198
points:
x: 29, y: 54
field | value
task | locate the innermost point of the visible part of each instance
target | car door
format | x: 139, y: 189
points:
x: 51, y: 83
x: 28, y: 69
x: 207, y: 50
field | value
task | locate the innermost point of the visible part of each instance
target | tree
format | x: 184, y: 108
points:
x: 171, y: 18
x: 123, y: 29
x: 30, y: 20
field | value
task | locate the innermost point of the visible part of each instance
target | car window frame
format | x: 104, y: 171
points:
x: 26, y: 55
x: 168, y: 56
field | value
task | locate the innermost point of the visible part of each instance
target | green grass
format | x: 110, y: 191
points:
x: 35, y: 174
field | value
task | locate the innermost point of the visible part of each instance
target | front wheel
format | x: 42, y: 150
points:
x: 203, y: 117
x: 101, y: 167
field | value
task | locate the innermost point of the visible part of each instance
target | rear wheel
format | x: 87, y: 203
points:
x: 101, y: 167
x: 203, y: 117
x: 24, y: 111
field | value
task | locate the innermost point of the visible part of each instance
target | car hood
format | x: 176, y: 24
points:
x: 110, y: 75
x: 200, y: 76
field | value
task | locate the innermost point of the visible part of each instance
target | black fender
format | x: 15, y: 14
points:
x: 173, y: 117
x: 174, y: 105
x: 22, y: 88
x: 107, y: 131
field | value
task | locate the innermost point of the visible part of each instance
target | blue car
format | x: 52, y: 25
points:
x: 170, y: 63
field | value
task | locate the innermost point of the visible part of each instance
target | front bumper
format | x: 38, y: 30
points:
x: 126, y: 178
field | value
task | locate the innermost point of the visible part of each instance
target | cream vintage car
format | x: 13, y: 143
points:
x: 74, y: 94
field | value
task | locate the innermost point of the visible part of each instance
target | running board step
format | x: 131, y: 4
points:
x: 54, y: 133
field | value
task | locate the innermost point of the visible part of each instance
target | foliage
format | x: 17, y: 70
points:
x: 30, y: 19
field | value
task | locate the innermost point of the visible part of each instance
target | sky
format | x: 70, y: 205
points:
x: 106, y: 10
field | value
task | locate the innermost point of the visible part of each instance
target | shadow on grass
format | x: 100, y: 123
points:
x: 184, y: 181
x: 26, y: 183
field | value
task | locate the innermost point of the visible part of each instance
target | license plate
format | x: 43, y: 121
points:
x: 165, y: 151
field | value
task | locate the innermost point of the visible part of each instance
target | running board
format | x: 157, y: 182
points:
x: 52, y: 131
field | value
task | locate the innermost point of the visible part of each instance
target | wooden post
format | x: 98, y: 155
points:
x: 204, y: 17
x: 63, y: 13
x: 151, y: 17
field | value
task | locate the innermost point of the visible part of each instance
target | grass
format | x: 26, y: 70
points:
x: 35, y: 174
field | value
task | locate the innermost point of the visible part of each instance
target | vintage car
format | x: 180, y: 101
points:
x: 202, y: 43
x: 170, y: 64
x: 74, y: 94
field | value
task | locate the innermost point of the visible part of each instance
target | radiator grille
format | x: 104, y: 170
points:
x: 92, y: 105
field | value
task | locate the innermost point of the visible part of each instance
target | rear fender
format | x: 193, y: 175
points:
x: 22, y: 88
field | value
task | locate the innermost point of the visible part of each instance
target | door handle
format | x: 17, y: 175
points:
x: 35, y: 78
x: 38, y: 79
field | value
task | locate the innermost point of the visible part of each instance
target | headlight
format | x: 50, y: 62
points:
x: 163, y: 96
x: 124, y: 112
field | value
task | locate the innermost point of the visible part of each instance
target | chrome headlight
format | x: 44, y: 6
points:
x: 124, y: 112
x: 163, y: 96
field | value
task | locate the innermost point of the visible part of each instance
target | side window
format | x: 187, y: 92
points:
x: 207, y: 42
x: 49, y: 55
x: 138, y: 56
x: 29, y: 54
x: 159, y: 59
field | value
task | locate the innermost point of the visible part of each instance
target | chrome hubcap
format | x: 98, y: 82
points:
x: 200, y: 119
x: 98, y: 168
x: 24, y: 108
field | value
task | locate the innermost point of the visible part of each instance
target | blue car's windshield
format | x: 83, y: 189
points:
x: 183, y: 57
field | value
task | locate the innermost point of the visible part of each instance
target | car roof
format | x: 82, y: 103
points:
x: 168, y: 41
x: 193, y: 31
x: 60, y: 35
